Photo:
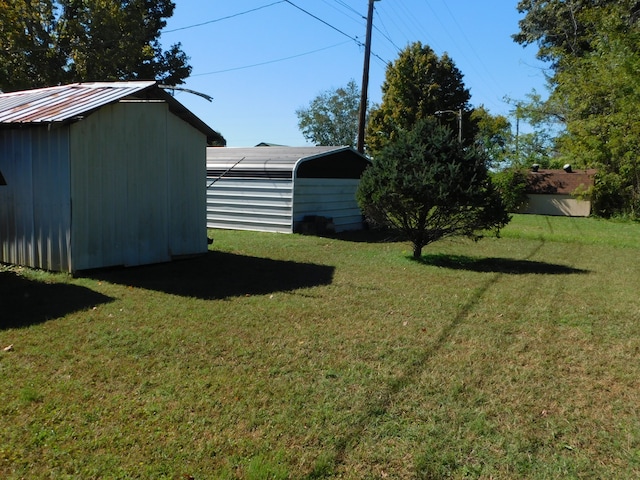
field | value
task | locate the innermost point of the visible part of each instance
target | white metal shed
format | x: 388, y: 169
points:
x: 273, y: 189
x: 100, y: 174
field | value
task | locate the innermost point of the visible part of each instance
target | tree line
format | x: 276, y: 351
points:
x: 592, y: 46
x: 425, y: 130
x: 590, y: 118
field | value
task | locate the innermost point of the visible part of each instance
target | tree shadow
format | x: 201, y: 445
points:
x: 25, y: 302
x: 373, y: 235
x: 218, y: 275
x: 497, y: 265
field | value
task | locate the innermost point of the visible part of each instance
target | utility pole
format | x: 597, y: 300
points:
x: 365, y: 79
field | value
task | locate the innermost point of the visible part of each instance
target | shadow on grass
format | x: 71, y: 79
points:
x: 369, y: 236
x: 218, y: 275
x: 26, y: 302
x: 385, y: 397
x: 497, y: 265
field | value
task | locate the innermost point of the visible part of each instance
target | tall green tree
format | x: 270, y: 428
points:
x: 494, y: 136
x: 418, y: 84
x: 428, y: 186
x: 29, y: 52
x: 595, y: 89
x: 332, y: 117
x: 602, y: 93
x: 558, y: 27
x: 47, y: 42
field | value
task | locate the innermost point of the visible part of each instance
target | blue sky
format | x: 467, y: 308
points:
x: 261, y: 60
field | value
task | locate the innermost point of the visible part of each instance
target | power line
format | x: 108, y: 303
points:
x: 344, y: 6
x: 464, y: 36
x: 349, y: 7
x: 351, y: 38
x: 386, y: 35
x: 270, y: 61
x: 355, y: 39
x: 224, y: 18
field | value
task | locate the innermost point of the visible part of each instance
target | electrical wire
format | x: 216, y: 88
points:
x: 270, y: 61
x: 350, y: 13
x: 355, y: 39
x: 223, y: 18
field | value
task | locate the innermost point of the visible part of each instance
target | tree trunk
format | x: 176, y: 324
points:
x: 417, y: 251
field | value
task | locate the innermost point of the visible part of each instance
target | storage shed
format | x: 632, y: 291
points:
x: 99, y: 175
x: 554, y: 192
x: 282, y: 189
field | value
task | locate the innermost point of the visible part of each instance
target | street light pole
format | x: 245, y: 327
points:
x: 458, y: 113
x: 365, y: 79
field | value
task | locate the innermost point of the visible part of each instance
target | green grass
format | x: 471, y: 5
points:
x: 293, y: 357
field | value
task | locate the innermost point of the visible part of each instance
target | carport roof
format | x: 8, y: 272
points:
x: 273, y: 158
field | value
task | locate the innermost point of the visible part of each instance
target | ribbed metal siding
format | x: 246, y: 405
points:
x: 35, y: 204
x: 332, y: 198
x: 250, y: 204
x: 257, y: 188
x: 133, y: 168
x: 250, y: 189
x: 119, y: 186
x: 186, y: 157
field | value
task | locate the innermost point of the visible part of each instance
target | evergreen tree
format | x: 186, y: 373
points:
x: 428, y: 186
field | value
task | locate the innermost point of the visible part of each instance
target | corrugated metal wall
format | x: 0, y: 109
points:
x: 118, y: 186
x: 35, y: 204
x: 328, y: 197
x: 273, y: 188
x: 123, y: 186
x: 137, y: 187
x: 271, y: 205
x: 186, y: 156
x: 261, y: 204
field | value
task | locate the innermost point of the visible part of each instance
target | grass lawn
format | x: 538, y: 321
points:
x: 298, y: 357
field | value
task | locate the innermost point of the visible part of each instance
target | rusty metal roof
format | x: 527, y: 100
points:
x: 65, y: 102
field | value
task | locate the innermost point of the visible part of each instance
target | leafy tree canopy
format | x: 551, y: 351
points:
x: 428, y: 186
x: 595, y: 90
x: 418, y: 84
x: 332, y: 117
x: 49, y: 42
x: 563, y: 28
x: 494, y: 136
x: 602, y: 94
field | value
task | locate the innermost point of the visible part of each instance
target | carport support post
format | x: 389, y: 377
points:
x: 365, y: 79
